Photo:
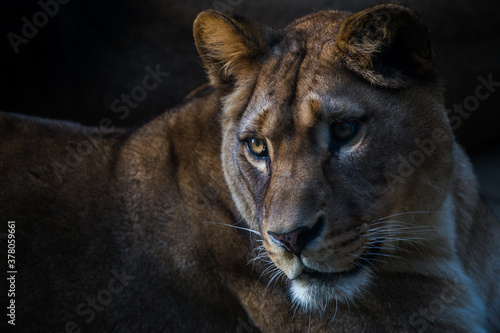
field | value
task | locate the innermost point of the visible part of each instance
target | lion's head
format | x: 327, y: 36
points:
x: 336, y: 145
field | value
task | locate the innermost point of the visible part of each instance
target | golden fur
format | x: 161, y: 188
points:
x: 398, y: 238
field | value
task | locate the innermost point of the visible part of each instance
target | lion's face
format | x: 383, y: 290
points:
x: 313, y: 155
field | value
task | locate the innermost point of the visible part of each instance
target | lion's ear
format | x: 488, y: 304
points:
x: 229, y: 45
x: 387, y: 45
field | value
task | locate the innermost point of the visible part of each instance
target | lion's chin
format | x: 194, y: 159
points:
x: 313, y: 290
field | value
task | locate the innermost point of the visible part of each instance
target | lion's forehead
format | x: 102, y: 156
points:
x: 316, y: 27
x: 294, y: 93
x: 271, y: 117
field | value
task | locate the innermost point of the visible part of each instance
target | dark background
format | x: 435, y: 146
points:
x: 93, y: 51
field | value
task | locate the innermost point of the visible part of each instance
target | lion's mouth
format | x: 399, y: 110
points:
x: 360, y: 264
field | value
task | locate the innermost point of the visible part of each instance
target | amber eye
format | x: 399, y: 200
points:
x: 257, y: 147
x: 344, y: 130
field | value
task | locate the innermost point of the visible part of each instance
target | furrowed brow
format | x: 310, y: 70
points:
x: 341, y: 107
x: 254, y: 124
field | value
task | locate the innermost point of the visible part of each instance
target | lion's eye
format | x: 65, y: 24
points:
x: 344, y: 130
x: 257, y: 147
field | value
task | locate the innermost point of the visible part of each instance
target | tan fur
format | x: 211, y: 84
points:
x: 166, y: 203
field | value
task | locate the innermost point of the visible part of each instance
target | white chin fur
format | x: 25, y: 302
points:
x: 312, y: 295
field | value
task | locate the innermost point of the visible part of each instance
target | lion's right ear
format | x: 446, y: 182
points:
x: 387, y: 45
x: 229, y: 45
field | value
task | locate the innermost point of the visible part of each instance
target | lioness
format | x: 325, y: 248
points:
x: 314, y: 185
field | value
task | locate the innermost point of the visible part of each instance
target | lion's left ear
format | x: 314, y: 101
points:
x: 229, y: 45
x: 387, y: 45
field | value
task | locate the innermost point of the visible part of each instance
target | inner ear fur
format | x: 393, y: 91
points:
x: 229, y: 45
x: 388, y: 45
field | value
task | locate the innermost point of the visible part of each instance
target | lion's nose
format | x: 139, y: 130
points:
x: 296, y: 240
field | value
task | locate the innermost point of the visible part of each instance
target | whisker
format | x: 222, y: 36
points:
x: 269, y: 270
x: 336, y: 309
x: 233, y: 226
x: 275, y: 275
x: 400, y: 225
x: 406, y: 213
x: 396, y: 228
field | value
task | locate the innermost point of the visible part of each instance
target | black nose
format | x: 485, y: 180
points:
x: 296, y: 240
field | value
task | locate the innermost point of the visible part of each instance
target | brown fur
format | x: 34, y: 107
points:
x: 158, y: 202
